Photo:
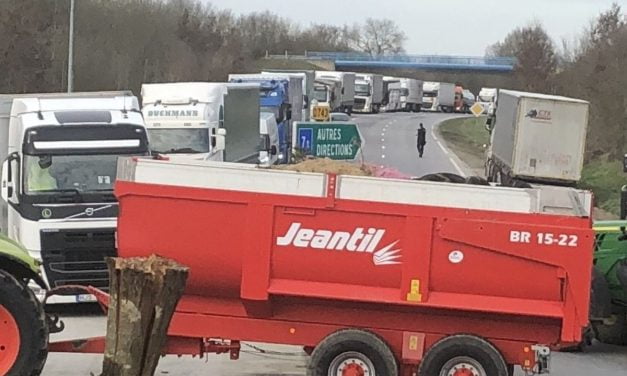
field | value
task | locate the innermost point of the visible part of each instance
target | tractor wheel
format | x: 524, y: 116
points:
x: 24, y: 339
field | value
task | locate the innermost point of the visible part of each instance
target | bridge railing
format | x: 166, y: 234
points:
x: 415, y: 59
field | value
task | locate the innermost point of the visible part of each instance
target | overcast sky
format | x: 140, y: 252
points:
x: 455, y: 27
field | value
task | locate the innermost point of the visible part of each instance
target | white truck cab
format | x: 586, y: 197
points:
x: 487, y: 98
x: 59, y: 154
x: 185, y: 119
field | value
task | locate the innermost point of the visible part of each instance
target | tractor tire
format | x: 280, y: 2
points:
x: 364, y: 352
x: 24, y: 340
x: 477, y: 356
x: 613, y: 332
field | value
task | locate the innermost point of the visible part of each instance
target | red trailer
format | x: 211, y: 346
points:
x: 371, y: 276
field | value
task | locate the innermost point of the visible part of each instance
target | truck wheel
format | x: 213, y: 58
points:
x: 24, y: 339
x: 352, y: 352
x: 463, y: 355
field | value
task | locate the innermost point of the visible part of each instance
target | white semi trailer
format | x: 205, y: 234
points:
x: 537, y: 138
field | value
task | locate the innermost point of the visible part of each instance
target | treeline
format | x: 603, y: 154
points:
x: 121, y: 43
x: 590, y: 68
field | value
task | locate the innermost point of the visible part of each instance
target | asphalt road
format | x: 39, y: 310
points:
x: 391, y: 141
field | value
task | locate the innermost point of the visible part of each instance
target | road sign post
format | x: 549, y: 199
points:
x: 334, y: 140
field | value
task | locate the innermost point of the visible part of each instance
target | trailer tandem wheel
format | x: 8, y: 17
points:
x: 463, y: 355
x: 352, y: 352
x: 23, y: 329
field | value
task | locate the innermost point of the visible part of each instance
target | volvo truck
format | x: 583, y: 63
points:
x: 368, y: 93
x: 59, y: 154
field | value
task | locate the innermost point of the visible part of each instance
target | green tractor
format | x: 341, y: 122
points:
x: 23, y: 323
x: 609, y: 281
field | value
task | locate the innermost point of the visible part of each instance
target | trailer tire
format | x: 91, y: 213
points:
x: 358, y: 348
x: 465, y: 351
x: 21, y: 312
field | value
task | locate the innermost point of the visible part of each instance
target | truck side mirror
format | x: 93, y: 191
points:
x: 273, y: 150
x: 220, y: 140
x: 7, y: 187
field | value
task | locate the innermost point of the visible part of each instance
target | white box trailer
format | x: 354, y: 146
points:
x: 537, y: 138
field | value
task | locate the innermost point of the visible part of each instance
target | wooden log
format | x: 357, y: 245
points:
x: 143, y: 296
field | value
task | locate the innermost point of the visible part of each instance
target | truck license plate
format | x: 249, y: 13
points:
x: 85, y: 298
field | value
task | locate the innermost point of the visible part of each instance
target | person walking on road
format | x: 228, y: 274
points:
x: 421, y: 140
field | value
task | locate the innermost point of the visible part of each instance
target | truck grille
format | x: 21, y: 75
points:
x: 77, y: 257
x: 427, y: 105
x: 360, y: 103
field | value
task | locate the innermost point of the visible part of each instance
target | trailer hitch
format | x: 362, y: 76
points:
x: 55, y: 324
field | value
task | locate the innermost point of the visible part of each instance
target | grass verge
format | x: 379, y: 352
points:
x: 467, y: 136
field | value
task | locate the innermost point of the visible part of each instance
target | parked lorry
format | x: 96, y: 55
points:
x: 391, y: 94
x: 283, y: 96
x: 438, y: 96
x: 487, y: 98
x: 327, y: 94
x: 368, y: 93
x: 182, y: 119
x: 59, y: 154
x: 346, y: 81
x: 362, y: 272
x: 308, y: 76
x: 411, y: 94
x: 536, y: 138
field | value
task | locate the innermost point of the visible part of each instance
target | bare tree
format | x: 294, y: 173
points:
x: 536, y: 60
x: 378, y: 37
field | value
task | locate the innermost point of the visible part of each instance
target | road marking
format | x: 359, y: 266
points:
x: 445, y: 150
x: 383, y: 156
x: 382, y: 146
x: 383, y: 140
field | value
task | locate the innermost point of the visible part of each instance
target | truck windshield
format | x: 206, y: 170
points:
x: 430, y: 94
x: 179, y: 140
x: 44, y: 174
x: 362, y: 89
x: 320, y: 93
x: 404, y: 92
x: 486, y: 98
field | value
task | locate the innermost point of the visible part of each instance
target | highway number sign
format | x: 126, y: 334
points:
x: 321, y: 113
x: 334, y: 140
x: 477, y: 109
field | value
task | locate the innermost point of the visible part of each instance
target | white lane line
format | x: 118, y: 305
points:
x: 383, y: 156
x: 382, y: 146
x: 446, y: 151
